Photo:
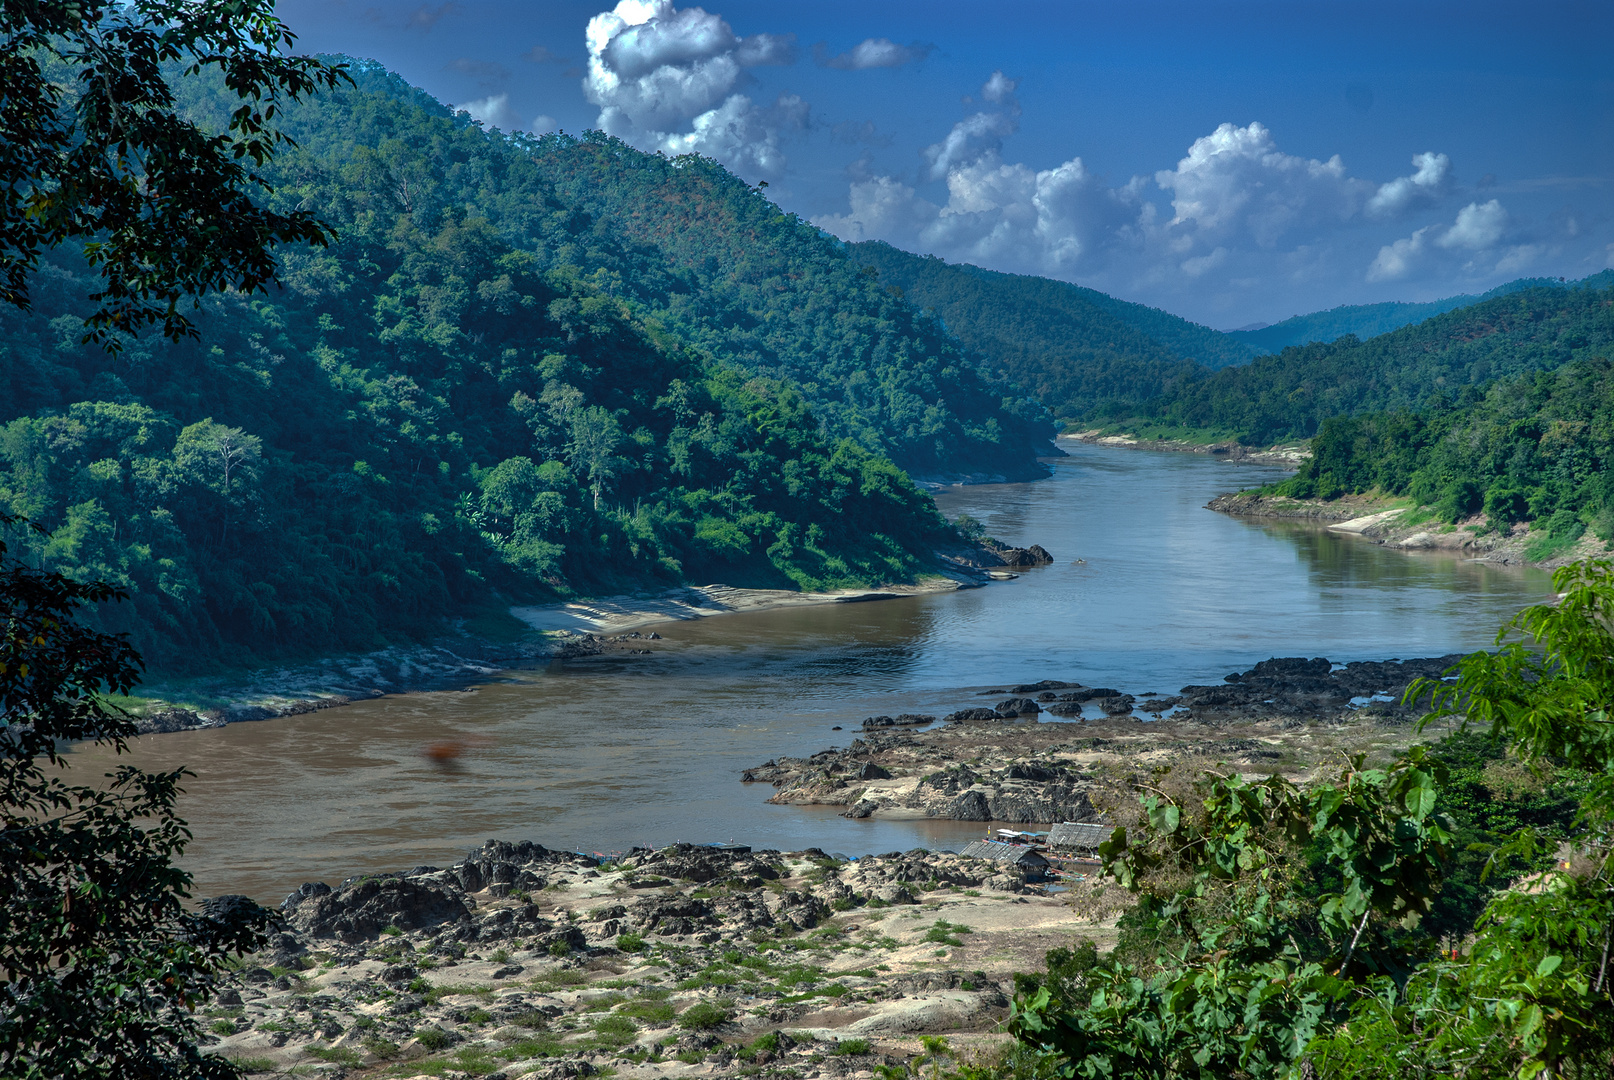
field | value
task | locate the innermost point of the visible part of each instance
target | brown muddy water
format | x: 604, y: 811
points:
x: 606, y: 753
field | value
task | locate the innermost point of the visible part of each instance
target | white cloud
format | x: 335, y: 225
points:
x: 1235, y: 183
x: 543, y: 124
x: 983, y: 133
x: 1245, y: 214
x: 668, y: 79
x: 1479, y: 226
x: 1425, y: 187
x: 872, y: 53
x: 493, y: 111
x: 1473, y: 237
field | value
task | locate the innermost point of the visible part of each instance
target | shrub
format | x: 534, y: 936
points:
x: 339, y: 1055
x: 381, y: 1048
x: 630, y: 943
x: 703, y: 1016
x: 222, y: 1027
x: 432, y: 1038
x: 850, y: 1047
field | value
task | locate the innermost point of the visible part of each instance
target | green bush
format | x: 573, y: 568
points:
x: 222, y: 1027
x: 703, y: 1016
x: 339, y: 1055
x: 851, y: 1047
x: 385, y: 1049
x: 432, y: 1038
x: 630, y: 943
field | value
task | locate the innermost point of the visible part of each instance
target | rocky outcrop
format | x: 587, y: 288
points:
x: 400, y: 972
x: 999, y: 764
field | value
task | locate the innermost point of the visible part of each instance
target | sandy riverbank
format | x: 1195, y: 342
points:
x: 1403, y: 528
x: 619, y: 614
x: 570, y: 630
x: 1289, y: 456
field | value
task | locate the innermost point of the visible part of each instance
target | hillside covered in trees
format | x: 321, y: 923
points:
x: 1083, y: 354
x: 1290, y: 394
x: 471, y: 394
x: 1538, y: 447
x: 1368, y: 320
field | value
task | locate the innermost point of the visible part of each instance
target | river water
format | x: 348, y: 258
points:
x: 1148, y: 591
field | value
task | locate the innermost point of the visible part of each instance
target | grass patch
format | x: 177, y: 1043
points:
x: 615, y: 1030
x: 222, y: 1027
x: 385, y: 1049
x: 946, y: 933
x: 253, y: 1064
x: 630, y: 943
x: 556, y: 980
x: 532, y: 1048
x: 703, y: 1016
x: 656, y: 1013
x: 340, y: 1055
x: 434, y: 994
x: 851, y: 1047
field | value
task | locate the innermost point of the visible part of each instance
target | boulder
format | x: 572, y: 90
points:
x: 1018, y: 706
x: 971, y: 714
x: 871, y: 771
x: 360, y: 910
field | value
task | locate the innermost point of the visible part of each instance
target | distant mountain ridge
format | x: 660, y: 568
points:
x: 1082, y: 353
x: 1368, y: 320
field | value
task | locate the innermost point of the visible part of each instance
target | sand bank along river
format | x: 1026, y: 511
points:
x: 611, y: 752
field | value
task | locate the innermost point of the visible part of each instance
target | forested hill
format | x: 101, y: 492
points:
x: 1368, y: 320
x: 1537, y: 447
x: 724, y: 268
x: 1448, y: 358
x: 1084, y: 354
x: 450, y: 405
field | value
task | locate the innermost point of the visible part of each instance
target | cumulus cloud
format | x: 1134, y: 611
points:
x: 668, y: 79
x: 872, y: 53
x: 983, y: 133
x: 493, y: 111
x: 1235, y: 182
x: 1473, y: 238
x: 1244, y: 212
x: 1429, y: 182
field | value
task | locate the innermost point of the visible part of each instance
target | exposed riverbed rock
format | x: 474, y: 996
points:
x: 825, y: 948
x: 1000, y: 765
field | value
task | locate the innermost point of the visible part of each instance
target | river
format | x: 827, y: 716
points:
x: 1148, y: 591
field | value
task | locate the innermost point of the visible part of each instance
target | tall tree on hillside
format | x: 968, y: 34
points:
x: 93, y: 152
x: 101, y: 963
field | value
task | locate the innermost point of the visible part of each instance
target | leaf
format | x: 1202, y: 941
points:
x: 1548, y: 965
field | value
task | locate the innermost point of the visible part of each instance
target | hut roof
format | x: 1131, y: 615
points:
x: 1013, y: 854
x: 1074, y: 834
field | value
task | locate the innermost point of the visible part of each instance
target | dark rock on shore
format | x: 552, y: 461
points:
x: 874, y: 723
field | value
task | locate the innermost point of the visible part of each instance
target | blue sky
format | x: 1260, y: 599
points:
x: 1231, y: 162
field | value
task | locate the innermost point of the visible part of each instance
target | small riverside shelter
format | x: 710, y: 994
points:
x: 1026, y: 860
x: 1080, y: 837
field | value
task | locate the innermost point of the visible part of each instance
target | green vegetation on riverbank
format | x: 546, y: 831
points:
x: 449, y: 402
x: 1538, y: 447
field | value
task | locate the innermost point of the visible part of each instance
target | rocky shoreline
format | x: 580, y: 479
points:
x: 707, y: 961
x: 998, y: 764
x: 1398, y: 527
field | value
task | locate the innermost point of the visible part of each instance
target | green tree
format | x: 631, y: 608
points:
x: 92, y: 150
x: 223, y: 459
x: 1285, y: 920
x: 101, y: 964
